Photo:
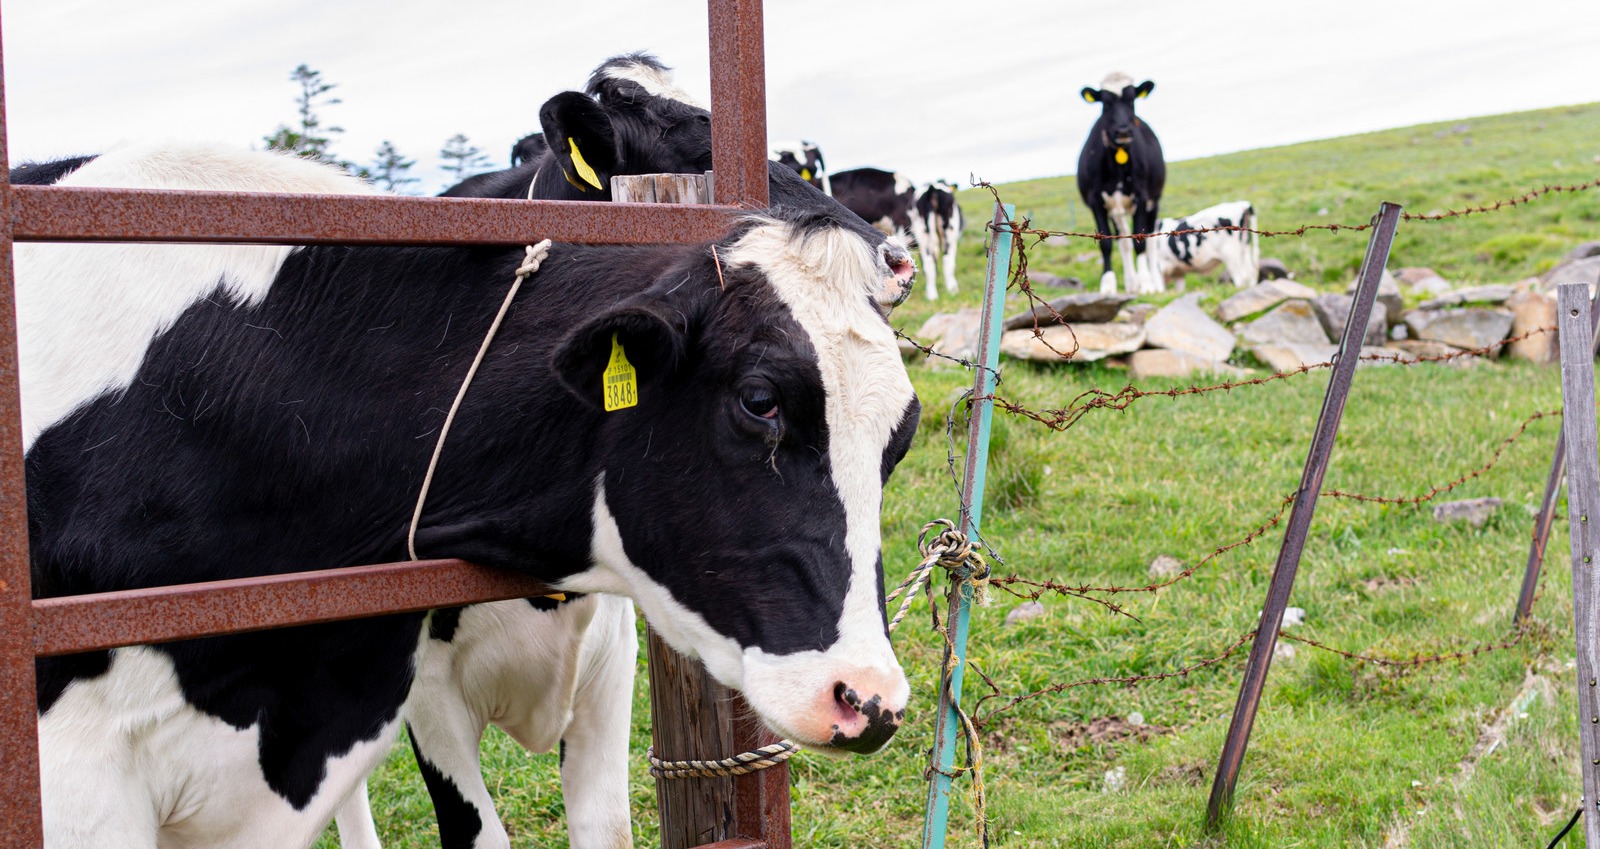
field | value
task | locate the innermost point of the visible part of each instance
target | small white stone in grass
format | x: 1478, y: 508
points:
x: 1023, y: 612
x: 1135, y: 718
x: 1047, y: 470
x: 1416, y: 783
x: 1398, y: 551
x: 1522, y: 716
x: 1116, y: 779
x: 1283, y: 651
x: 1293, y: 616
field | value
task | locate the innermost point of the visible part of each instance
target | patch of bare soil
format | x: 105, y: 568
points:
x: 1100, y: 731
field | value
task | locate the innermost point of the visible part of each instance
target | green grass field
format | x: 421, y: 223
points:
x: 1470, y: 753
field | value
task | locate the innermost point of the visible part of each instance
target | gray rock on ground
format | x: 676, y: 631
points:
x: 1183, y: 326
x: 1092, y: 342
x: 1531, y: 310
x: 1024, y: 612
x: 1165, y: 566
x: 1497, y: 293
x: 1288, y: 356
x: 1470, y: 327
x: 1290, y: 323
x: 1262, y: 297
x: 1333, y: 310
x: 1474, y: 511
x: 1084, y: 307
x: 1388, y: 295
x: 1166, y: 362
x: 1585, y: 270
x: 952, y: 334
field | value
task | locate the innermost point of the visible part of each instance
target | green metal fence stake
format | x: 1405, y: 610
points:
x: 947, y: 725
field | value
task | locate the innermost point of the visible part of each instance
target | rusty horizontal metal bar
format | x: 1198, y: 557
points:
x: 73, y: 214
x: 161, y: 614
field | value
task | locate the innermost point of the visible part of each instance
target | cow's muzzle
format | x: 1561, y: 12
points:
x: 864, y: 724
x: 901, y: 274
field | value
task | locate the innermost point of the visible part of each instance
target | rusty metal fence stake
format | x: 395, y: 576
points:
x: 20, y: 811
x: 1552, y: 489
x: 1583, y: 513
x: 1305, y: 505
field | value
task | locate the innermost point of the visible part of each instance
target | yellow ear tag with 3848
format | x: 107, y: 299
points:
x: 620, y: 380
x: 582, y: 167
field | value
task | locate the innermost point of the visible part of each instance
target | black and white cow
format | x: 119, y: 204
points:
x: 1239, y: 251
x: 936, y: 225
x: 805, y: 159
x: 493, y: 668
x: 194, y: 413
x: 1120, y: 176
x: 882, y: 198
x: 528, y: 148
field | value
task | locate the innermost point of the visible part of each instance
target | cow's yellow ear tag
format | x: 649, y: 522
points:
x: 805, y: 174
x: 1122, y: 156
x: 582, y: 167
x: 1088, y: 98
x: 621, y: 381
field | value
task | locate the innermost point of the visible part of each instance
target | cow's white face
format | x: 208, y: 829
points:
x: 747, y: 528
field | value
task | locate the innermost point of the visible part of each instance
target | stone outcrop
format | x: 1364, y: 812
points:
x: 1183, y: 326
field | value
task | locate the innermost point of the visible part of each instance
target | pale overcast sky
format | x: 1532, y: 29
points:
x: 934, y: 89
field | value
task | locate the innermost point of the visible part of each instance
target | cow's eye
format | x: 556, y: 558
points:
x: 759, y: 400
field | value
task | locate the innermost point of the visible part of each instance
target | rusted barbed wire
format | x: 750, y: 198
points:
x: 1418, y: 659
x: 1060, y: 419
x: 1440, y: 489
x: 1022, y: 229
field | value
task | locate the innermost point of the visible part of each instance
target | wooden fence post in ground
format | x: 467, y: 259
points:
x: 1583, y: 513
x: 1305, y: 505
x: 1552, y: 488
x: 692, y: 716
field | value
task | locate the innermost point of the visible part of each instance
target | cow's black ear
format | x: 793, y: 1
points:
x: 1145, y: 88
x: 1091, y: 95
x: 650, y: 343
x: 580, y: 135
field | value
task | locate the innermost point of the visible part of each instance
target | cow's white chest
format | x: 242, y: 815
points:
x: 1118, y: 204
x: 126, y: 761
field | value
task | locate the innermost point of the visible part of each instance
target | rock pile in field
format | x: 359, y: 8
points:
x: 1284, y: 324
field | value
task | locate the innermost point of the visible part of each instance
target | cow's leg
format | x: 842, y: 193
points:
x: 594, y: 748
x: 952, y: 240
x: 1144, y: 223
x: 445, y: 735
x: 354, y: 819
x: 1134, y: 282
x: 924, y: 240
x: 1102, y: 225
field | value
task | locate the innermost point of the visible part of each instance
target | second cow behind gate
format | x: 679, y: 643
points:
x: 1121, y: 173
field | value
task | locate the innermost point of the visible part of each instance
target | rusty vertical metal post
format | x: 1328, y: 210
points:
x: 1305, y: 505
x: 1583, y: 514
x: 1552, y: 489
x: 738, y: 102
x: 20, y: 812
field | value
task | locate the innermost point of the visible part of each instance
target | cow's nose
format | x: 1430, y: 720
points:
x: 902, y: 271
x: 863, y: 720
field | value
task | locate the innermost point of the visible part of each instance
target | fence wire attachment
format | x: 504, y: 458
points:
x: 740, y: 764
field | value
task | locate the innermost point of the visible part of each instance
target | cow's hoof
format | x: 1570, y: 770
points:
x: 1108, y: 282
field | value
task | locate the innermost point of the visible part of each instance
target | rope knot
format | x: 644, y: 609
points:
x: 535, y: 255
x: 952, y: 550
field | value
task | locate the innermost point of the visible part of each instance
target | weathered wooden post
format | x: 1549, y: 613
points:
x: 693, y: 717
x: 1552, y: 488
x: 1305, y: 506
x: 1583, y: 514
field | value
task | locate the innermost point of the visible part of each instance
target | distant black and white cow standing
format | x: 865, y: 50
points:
x: 1237, y: 250
x: 194, y: 413
x: 805, y: 159
x: 936, y: 224
x: 1120, y: 176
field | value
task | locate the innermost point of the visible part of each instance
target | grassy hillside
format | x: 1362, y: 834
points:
x: 1468, y: 753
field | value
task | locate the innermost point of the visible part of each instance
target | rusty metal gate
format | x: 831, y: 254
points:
x: 55, y: 626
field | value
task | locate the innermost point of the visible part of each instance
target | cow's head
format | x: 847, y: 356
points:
x: 739, y: 499
x: 803, y: 158
x: 633, y: 119
x: 1116, y: 97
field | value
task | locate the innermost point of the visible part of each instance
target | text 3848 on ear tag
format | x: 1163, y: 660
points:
x: 620, y: 380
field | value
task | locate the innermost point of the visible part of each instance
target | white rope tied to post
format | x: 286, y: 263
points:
x: 950, y: 549
x: 531, y: 261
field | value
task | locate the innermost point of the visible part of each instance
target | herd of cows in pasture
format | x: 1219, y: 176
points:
x: 195, y: 413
